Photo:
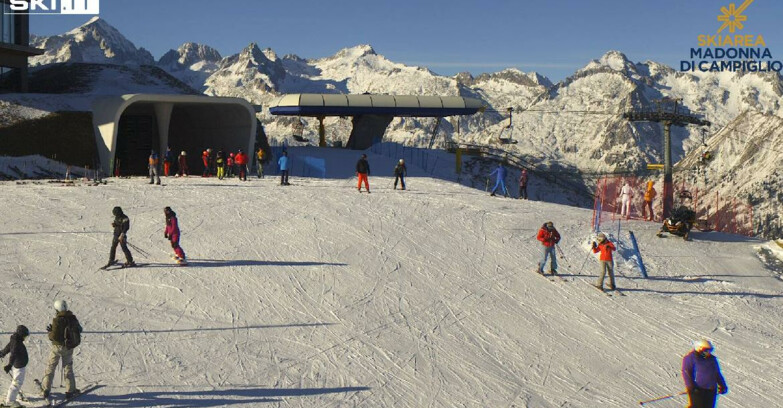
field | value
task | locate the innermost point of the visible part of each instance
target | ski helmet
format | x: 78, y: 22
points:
x: 22, y: 330
x: 702, y: 345
x: 183, y: 153
x: 601, y: 236
x: 117, y: 211
x: 549, y: 224
x: 402, y: 161
x: 60, y: 305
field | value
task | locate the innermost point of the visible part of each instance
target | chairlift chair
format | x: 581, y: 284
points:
x: 509, y: 139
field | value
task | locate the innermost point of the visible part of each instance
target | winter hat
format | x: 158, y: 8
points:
x: 549, y: 224
x: 22, y: 331
x: 60, y: 305
x: 702, y: 345
x: 364, y: 156
x: 117, y: 211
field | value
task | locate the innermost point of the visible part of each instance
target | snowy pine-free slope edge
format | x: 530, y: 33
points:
x: 316, y: 295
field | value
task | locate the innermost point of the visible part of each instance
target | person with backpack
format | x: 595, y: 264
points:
x: 702, y: 376
x: 605, y: 247
x: 121, y: 225
x: 523, y: 184
x: 501, y: 180
x: 65, y: 334
x: 172, y: 234
x: 400, y: 172
x: 549, y: 238
x: 362, y: 171
x: 17, y: 364
x: 221, y: 165
x: 153, y: 165
x: 283, y: 163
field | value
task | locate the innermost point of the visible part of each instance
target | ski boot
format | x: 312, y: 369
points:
x: 71, y: 394
x: 129, y: 264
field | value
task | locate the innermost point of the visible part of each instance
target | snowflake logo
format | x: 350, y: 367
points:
x: 732, y: 17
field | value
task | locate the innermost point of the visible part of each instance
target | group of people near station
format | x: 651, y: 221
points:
x: 219, y: 164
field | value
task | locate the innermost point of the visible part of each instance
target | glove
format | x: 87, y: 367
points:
x: 595, y: 245
x: 7, y: 368
x: 722, y: 390
x: 165, y: 235
x: 48, y: 327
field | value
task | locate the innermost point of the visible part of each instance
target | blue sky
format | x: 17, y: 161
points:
x: 551, y: 37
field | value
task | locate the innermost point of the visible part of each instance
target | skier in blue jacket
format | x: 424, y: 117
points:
x: 501, y: 179
x: 702, y: 376
x: 283, y: 163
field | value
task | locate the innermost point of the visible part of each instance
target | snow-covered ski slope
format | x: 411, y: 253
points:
x: 314, y: 295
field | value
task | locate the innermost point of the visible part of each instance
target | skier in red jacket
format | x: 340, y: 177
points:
x: 605, y: 247
x: 241, y: 161
x: 172, y: 234
x: 549, y: 237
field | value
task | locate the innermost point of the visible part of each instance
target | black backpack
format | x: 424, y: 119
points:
x: 72, y: 334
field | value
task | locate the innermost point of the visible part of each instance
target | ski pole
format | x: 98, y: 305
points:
x: 662, y: 398
x: 583, y: 263
x: 137, y: 249
x: 562, y: 255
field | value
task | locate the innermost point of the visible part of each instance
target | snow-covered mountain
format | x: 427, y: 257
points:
x: 96, y: 41
x: 191, y: 63
x: 576, y: 123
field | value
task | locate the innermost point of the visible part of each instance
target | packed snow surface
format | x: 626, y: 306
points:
x: 315, y: 295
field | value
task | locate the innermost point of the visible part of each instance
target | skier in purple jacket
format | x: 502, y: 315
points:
x: 702, y: 376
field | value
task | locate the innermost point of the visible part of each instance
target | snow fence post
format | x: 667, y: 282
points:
x: 642, y: 268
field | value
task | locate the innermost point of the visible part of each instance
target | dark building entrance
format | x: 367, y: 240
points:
x: 137, y: 136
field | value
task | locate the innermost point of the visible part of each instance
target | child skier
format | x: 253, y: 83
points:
x: 172, y: 234
x: 605, y: 247
x: 16, y: 365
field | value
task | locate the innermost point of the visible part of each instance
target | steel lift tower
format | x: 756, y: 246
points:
x: 668, y: 117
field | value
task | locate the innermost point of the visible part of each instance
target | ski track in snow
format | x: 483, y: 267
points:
x: 316, y: 295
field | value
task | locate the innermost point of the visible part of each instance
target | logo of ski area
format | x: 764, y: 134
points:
x: 732, y: 17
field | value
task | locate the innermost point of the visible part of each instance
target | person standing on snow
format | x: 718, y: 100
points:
x: 362, y: 171
x: 605, y: 247
x: 649, y: 196
x: 626, y: 194
x: 168, y: 158
x: 523, y: 184
x: 283, y: 163
x: 183, y: 164
x: 549, y: 237
x: 400, y: 172
x: 260, y: 158
x: 62, y: 320
x: 153, y: 165
x: 230, y: 161
x: 172, y: 234
x: 121, y: 226
x: 702, y: 376
x: 17, y: 364
x: 501, y: 179
x: 220, y: 162
x: 205, y: 161
x: 241, y: 160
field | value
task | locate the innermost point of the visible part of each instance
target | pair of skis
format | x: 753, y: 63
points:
x: 52, y: 403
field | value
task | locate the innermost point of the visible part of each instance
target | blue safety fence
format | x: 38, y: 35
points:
x: 638, y: 254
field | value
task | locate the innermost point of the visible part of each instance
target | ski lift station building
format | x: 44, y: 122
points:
x: 371, y: 113
x: 128, y: 127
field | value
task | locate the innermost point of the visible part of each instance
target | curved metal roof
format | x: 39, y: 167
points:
x: 395, y: 105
